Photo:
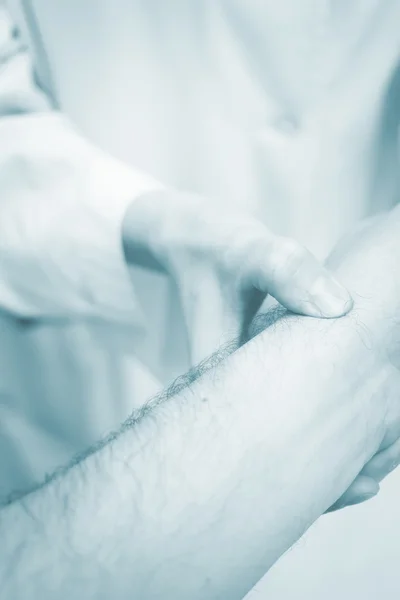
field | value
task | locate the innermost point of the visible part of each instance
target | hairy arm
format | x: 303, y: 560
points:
x: 203, y: 490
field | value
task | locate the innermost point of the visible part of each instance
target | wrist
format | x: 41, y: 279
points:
x: 374, y: 316
x: 311, y: 393
x: 366, y: 262
x: 337, y: 364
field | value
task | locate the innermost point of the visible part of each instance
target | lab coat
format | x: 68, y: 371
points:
x: 287, y: 110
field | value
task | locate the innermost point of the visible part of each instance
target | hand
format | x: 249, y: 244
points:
x: 368, y: 260
x: 224, y: 264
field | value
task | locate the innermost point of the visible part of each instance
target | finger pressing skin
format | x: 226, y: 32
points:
x: 362, y: 489
x: 292, y: 275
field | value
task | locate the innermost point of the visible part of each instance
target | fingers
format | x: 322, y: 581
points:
x: 362, y: 489
x: 366, y: 485
x: 251, y: 302
x: 209, y: 317
x: 292, y: 275
x: 383, y: 463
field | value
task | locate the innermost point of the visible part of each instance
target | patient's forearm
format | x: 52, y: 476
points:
x: 204, y: 493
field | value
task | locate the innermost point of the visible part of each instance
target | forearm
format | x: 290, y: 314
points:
x: 200, y: 496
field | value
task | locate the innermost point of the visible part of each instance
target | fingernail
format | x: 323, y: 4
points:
x: 360, y: 499
x: 329, y: 297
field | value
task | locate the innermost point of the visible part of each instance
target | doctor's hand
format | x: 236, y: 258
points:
x: 224, y: 264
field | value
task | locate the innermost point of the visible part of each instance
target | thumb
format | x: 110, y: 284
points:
x: 293, y: 276
x: 362, y: 489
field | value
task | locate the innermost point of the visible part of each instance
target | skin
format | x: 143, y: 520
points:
x: 374, y: 241
x: 222, y: 286
x: 224, y: 265
x: 199, y: 494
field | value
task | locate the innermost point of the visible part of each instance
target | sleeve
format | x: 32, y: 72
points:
x: 62, y: 203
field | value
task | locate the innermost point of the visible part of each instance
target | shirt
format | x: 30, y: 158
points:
x: 287, y: 110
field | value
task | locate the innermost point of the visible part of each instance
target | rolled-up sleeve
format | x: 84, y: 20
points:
x: 62, y: 203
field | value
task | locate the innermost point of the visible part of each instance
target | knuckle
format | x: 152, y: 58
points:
x: 287, y: 257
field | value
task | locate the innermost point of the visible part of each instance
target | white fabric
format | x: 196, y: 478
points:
x: 63, y: 201
x: 285, y: 109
